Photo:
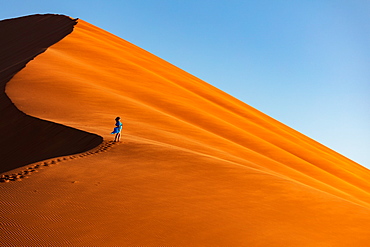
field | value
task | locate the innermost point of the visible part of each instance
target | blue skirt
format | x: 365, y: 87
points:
x: 116, y: 130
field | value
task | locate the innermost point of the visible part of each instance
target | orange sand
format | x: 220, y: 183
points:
x: 196, y: 166
x: 26, y: 139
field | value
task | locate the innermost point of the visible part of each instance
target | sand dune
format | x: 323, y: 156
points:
x: 26, y: 139
x: 196, y: 167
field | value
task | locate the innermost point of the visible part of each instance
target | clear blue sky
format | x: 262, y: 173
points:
x: 305, y: 63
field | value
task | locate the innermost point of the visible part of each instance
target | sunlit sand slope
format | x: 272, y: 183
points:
x: 196, y: 166
x: 25, y: 139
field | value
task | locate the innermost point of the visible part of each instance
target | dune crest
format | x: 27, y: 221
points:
x: 196, y: 167
x: 26, y: 139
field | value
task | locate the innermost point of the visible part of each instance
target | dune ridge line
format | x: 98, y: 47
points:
x: 26, y: 139
x: 197, y: 168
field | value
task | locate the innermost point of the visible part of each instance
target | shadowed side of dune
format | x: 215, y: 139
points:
x: 25, y: 139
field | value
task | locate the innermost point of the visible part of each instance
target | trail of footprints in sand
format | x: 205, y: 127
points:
x: 104, y: 147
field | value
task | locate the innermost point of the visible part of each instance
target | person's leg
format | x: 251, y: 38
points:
x: 118, y: 135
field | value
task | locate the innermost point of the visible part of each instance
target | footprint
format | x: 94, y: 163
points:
x: 104, y: 147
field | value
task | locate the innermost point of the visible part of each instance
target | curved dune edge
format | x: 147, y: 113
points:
x: 197, y: 167
x: 26, y: 139
x: 104, y: 75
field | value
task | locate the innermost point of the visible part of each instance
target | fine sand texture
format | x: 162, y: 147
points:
x: 195, y: 166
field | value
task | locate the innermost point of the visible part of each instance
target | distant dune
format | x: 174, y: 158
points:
x: 195, y: 167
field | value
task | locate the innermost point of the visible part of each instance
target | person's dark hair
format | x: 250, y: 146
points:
x: 118, y: 118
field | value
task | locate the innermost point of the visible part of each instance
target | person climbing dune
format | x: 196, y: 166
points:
x: 117, y: 130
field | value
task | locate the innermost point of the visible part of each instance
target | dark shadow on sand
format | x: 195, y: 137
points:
x: 25, y: 139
